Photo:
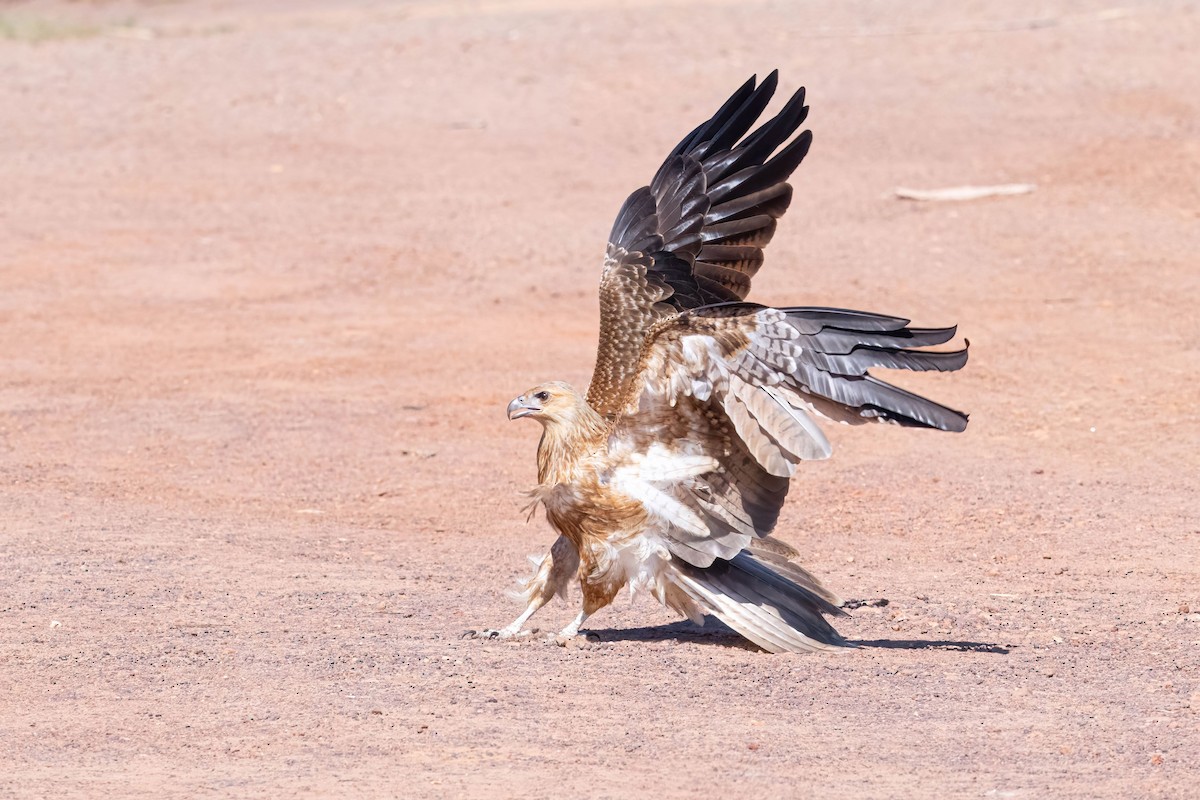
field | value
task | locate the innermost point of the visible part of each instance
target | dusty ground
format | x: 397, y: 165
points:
x: 269, y: 274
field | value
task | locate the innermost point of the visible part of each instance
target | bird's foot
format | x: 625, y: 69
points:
x: 502, y: 633
x: 576, y: 640
x: 572, y: 630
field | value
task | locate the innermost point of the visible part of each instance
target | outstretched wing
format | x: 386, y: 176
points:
x: 720, y: 412
x: 712, y: 427
x: 694, y: 236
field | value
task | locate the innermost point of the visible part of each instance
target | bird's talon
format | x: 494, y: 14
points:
x: 575, y: 641
x: 486, y: 633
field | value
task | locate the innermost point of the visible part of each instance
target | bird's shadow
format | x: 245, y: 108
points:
x: 716, y: 633
x: 932, y: 644
x: 713, y: 633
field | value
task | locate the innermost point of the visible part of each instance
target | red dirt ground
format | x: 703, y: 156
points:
x: 270, y: 272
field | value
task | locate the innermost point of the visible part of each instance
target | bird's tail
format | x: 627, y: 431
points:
x: 768, y: 608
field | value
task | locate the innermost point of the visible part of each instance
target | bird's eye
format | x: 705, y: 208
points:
x: 542, y: 397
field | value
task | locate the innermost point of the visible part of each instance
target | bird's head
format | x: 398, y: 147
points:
x: 547, y: 402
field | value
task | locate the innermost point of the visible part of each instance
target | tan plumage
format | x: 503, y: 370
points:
x: 670, y: 475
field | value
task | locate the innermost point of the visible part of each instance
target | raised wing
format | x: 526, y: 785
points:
x: 712, y: 427
x: 694, y: 236
x: 717, y: 418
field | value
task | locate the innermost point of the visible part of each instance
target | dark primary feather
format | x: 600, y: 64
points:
x: 719, y: 126
x: 699, y: 228
x: 841, y: 345
x: 717, y: 198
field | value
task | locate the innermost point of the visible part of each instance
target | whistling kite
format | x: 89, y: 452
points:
x: 671, y: 474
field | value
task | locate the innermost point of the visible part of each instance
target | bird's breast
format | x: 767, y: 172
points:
x: 590, y: 513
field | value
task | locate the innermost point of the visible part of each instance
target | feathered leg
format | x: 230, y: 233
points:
x: 573, y: 628
x: 553, y: 574
x: 595, y: 597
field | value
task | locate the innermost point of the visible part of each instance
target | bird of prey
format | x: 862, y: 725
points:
x: 670, y: 474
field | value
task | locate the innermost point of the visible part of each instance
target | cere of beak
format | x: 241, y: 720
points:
x: 522, y: 407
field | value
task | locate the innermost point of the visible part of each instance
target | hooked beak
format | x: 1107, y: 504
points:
x: 522, y: 407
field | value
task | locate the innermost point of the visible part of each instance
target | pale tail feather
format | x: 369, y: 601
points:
x: 767, y: 608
